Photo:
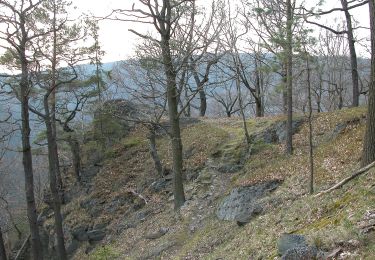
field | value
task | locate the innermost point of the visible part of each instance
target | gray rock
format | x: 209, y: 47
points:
x: 298, y: 253
x: 96, y: 235
x: 243, y: 219
x: 72, y: 247
x: 158, y: 234
x: 205, y: 176
x: 80, y: 233
x: 160, y: 185
x: 243, y: 203
x: 290, y: 241
x: 277, y: 132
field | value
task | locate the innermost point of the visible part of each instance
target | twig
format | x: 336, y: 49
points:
x: 346, y: 180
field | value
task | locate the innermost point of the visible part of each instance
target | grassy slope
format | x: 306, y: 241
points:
x: 324, y: 221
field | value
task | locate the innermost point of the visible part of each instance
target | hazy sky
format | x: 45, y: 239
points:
x: 118, y: 43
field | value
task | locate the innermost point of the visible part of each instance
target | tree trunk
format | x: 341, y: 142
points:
x: 311, y: 151
x: 172, y: 97
x: 285, y: 89
x: 154, y: 152
x: 353, y: 54
x: 76, y: 156
x: 53, y: 94
x: 369, y: 142
x: 289, y: 126
x: 53, y: 173
x: 203, y: 103
x: 229, y: 114
x: 259, y: 109
x: 3, y: 254
x: 242, y: 112
x: 36, y: 246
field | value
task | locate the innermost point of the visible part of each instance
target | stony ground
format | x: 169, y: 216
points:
x: 134, y: 207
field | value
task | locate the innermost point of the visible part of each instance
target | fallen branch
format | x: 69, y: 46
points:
x: 26, y: 243
x: 138, y: 195
x: 346, y: 180
x: 23, y: 247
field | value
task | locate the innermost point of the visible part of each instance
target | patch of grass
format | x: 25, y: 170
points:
x: 200, y: 139
x: 132, y: 141
x: 106, y: 252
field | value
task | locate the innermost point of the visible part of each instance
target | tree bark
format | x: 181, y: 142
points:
x: 172, y: 97
x: 289, y: 53
x: 368, y: 155
x: 36, y: 246
x: 203, y: 103
x: 242, y: 112
x: 53, y: 173
x: 154, y: 152
x: 259, y: 108
x: 53, y: 94
x: 76, y: 156
x: 3, y: 254
x: 311, y: 150
x: 353, y: 54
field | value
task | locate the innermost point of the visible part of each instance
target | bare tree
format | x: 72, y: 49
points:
x: 346, y: 6
x: 164, y: 15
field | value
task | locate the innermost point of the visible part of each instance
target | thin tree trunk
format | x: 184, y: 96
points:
x: 53, y: 173
x: 369, y: 142
x: 36, y: 246
x: 259, y: 109
x: 154, y: 152
x: 203, y: 103
x: 53, y: 95
x: 311, y: 151
x: 285, y: 89
x: 242, y: 112
x: 353, y: 54
x: 289, y: 127
x: 187, y: 111
x: 76, y: 156
x: 172, y: 97
x: 3, y: 254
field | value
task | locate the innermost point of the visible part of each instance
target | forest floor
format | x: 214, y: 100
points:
x: 136, y: 206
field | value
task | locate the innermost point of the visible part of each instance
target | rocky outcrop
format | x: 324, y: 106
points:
x: 243, y: 203
x: 276, y: 133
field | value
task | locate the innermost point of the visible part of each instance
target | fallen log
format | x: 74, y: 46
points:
x: 346, y: 180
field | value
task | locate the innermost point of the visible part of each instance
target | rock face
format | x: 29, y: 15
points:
x: 242, y: 204
x: 277, y: 132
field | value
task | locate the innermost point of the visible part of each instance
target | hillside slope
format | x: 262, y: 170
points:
x: 125, y: 211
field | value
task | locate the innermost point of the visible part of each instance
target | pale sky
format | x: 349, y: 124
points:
x: 118, y: 42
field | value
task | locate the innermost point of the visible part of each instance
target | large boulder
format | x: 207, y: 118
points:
x: 242, y: 203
